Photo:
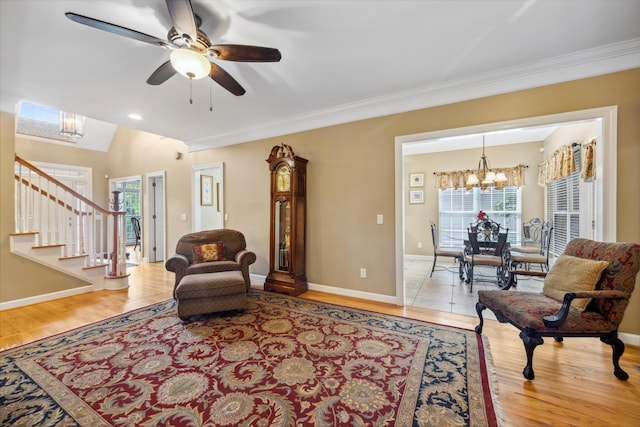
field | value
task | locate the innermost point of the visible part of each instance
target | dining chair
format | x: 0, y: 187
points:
x: 531, y: 237
x: 494, y: 254
x: 453, y: 252
x: 521, y: 262
x: 135, y: 223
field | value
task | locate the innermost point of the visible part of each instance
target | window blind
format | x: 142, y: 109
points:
x: 458, y: 208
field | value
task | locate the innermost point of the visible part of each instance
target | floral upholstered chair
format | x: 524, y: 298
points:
x: 585, y: 295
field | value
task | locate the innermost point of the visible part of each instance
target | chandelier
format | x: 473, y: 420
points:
x: 485, y: 177
x: 70, y: 124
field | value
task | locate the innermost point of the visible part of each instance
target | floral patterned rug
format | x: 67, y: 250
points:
x: 283, y: 362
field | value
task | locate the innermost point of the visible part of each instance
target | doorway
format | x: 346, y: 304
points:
x: 208, y: 208
x: 130, y: 198
x: 155, y: 232
x: 604, y: 206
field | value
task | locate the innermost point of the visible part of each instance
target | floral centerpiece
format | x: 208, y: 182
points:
x: 489, y: 226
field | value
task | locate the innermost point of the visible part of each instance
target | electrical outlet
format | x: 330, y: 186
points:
x: 379, y: 219
x: 363, y: 273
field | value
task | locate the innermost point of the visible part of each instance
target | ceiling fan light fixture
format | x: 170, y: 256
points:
x: 190, y: 63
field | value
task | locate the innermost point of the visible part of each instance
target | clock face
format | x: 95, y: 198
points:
x: 283, y: 181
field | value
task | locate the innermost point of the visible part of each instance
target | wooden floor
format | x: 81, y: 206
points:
x: 574, y: 384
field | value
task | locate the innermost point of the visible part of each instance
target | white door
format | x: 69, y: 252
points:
x: 155, y: 230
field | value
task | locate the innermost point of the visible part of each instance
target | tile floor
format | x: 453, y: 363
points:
x: 444, y: 291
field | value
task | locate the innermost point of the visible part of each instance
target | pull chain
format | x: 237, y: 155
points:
x: 210, y: 95
x: 190, y: 91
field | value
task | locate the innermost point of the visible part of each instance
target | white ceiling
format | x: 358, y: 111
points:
x: 341, y: 61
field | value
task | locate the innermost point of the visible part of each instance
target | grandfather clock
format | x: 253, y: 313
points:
x: 288, y: 211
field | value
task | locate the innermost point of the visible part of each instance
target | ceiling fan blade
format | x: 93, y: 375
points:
x: 225, y: 80
x: 116, y: 29
x: 183, y: 19
x: 244, y: 53
x: 162, y: 74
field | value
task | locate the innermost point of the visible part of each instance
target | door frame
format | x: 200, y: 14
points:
x: 606, y: 166
x: 147, y: 213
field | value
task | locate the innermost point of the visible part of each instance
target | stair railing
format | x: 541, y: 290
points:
x: 60, y: 216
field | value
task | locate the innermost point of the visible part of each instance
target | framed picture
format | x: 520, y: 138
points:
x: 206, y: 190
x: 416, y: 180
x: 416, y: 196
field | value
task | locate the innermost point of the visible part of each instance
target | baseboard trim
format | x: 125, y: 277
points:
x: 629, y: 339
x: 45, y: 297
x: 257, y: 282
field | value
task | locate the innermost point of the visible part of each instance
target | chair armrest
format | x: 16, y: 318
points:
x: 556, y: 320
x: 178, y: 264
x: 245, y: 258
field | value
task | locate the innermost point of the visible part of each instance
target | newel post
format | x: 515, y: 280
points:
x: 115, y: 207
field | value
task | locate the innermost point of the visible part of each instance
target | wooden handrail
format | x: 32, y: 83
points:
x: 51, y: 196
x: 114, y: 214
x: 65, y: 187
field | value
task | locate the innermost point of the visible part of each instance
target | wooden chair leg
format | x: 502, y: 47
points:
x: 618, y: 348
x: 531, y: 340
x: 479, y: 308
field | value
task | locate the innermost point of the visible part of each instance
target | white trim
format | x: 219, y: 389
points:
x: 399, y: 226
x: 574, y: 66
x: 630, y: 339
x: 257, y: 282
x: 45, y: 297
x: 606, y: 180
x: 147, y: 214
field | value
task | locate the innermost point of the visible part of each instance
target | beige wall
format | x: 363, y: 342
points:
x: 417, y: 215
x: 351, y: 179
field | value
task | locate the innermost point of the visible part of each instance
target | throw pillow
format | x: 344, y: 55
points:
x: 570, y: 274
x: 208, y: 252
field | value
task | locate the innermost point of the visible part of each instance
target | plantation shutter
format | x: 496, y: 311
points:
x: 564, y: 208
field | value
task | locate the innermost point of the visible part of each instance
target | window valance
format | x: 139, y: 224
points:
x: 562, y: 164
x: 458, y: 179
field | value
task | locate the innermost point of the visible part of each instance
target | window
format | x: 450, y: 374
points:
x: 132, y: 203
x: 40, y: 121
x: 570, y: 206
x: 458, y: 208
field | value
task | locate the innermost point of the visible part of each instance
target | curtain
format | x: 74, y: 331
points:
x: 458, y: 179
x: 562, y: 164
x: 588, y: 160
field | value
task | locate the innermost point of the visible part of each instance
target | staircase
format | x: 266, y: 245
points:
x: 60, y: 228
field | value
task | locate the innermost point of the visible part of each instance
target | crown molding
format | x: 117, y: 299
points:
x: 578, y: 65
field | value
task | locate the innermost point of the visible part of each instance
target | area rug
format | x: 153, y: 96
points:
x: 283, y: 362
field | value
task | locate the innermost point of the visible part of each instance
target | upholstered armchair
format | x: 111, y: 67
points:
x: 234, y: 255
x: 585, y: 294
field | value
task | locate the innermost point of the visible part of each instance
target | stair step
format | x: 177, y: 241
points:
x: 57, y: 245
x: 25, y: 233
x: 91, y: 267
x: 62, y: 258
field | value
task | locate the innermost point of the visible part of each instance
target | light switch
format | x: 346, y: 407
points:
x: 380, y: 219
x: 183, y: 217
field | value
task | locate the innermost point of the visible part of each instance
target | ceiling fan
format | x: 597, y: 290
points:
x: 191, y: 49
